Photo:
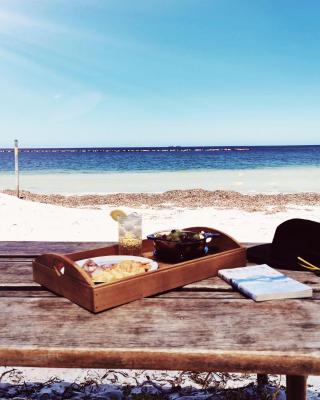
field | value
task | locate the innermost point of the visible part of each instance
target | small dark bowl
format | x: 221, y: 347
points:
x: 175, y: 251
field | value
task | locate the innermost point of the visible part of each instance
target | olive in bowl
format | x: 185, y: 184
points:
x: 178, y: 245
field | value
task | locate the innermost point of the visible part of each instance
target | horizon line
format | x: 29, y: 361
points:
x: 175, y: 147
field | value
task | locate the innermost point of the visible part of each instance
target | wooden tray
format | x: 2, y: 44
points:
x: 75, y: 285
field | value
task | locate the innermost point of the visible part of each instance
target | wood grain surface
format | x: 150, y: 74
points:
x: 23, y: 249
x: 205, y: 326
x: 183, y: 327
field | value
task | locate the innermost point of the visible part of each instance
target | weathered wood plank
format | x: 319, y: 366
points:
x: 151, y: 322
x: 39, y: 291
x: 25, y: 293
x: 21, y: 286
x: 16, y: 272
x: 162, y: 359
x: 204, y: 334
x: 188, y: 294
x: 174, y: 294
x: 215, y: 295
x: 15, y: 259
x: 31, y: 248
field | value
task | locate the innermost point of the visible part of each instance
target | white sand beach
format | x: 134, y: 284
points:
x: 28, y: 220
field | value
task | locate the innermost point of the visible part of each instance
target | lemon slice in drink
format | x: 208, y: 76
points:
x: 116, y: 214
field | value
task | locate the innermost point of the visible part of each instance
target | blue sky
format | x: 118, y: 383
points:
x: 159, y: 72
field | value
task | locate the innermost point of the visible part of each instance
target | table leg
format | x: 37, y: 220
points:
x: 296, y: 387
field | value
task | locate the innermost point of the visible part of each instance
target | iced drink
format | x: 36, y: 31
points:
x: 130, y: 234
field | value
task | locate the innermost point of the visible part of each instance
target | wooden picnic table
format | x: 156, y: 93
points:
x: 205, y: 326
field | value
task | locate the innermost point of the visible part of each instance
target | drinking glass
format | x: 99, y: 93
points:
x: 130, y: 234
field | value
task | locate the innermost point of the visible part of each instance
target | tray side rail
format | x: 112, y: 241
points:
x: 59, y: 274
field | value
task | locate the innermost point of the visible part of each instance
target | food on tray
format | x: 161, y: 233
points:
x: 116, y: 214
x: 113, y: 272
x: 93, y: 269
x: 177, y: 235
x: 178, y: 245
x: 90, y: 266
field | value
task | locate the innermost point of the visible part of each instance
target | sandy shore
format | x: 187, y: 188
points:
x: 248, y: 218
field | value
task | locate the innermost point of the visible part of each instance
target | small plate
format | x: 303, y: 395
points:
x: 117, y: 259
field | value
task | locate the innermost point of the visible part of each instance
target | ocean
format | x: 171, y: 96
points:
x: 148, y: 169
x: 134, y: 159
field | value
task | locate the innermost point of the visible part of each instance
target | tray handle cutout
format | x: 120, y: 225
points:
x: 63, y: 265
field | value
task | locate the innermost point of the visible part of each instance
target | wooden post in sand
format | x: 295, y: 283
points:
x: 16, y: 166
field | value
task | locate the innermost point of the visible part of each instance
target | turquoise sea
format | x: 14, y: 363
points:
x: 177, y: 158
x: 156, y: 169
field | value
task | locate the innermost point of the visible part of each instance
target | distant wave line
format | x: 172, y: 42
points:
x: 124, y: 149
